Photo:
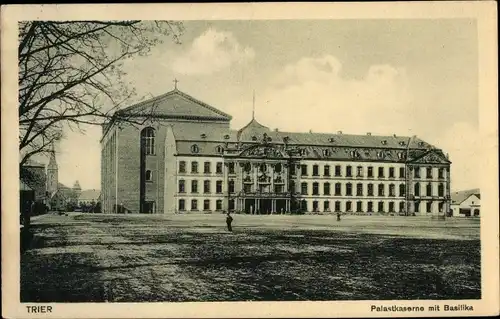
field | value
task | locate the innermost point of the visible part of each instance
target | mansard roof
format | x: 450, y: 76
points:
x: 175, y: 105
x: 313, y: 145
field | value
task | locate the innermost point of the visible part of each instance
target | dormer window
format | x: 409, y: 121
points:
x: 303, y: 152
x: 219, y: 149
x: 254, y: 138
x: 226, y: 137
x: 402, y: 143
x: 384, y: 142
x: 400, y: 155
x: 331, y: 140
x: 421, y: 144
x: 380, y: 154
x: 194, y: 148
x: 269, y: 139
x: 203, y: 135
x: 326, y: 152
x: 354, y: 153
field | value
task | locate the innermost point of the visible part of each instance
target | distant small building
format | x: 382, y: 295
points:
x: 64, y: 198
x: 466, y: 203
x: 89, y: 196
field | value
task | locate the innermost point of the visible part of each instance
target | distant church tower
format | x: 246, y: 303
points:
x: 77, y: 189
x: 52, y: 173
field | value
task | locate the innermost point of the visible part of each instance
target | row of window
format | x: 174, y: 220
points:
x: 369, y: 206
x: 348, y: 188
x: 206, y: 205
x: 206, y: 186
x: 207, y: 166
x: 359, y: 170
x: 370, y: 189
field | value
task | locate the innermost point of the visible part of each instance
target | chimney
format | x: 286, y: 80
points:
x: 310, y: 131
x: 369, y: 134
x: 394, y: 135
x: 339, y: 132
x: 276, y: 130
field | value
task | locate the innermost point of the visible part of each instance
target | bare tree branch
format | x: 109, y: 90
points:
x: 70, y: 72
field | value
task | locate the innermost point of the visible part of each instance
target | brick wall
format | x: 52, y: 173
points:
x: 127, y: 143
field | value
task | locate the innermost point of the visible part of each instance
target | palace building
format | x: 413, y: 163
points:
x: 176, y: 154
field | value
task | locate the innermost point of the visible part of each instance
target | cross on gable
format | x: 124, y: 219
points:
x: 175, y: 83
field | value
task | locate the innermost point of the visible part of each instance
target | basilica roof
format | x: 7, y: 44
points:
x: 175, y: 104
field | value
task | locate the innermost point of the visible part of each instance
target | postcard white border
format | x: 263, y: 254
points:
x: 483, y: 11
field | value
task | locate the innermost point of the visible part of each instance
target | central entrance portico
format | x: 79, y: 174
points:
x: 260, y: 178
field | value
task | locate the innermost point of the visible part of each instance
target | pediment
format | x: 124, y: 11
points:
x: 176, y: 104
x: 431, y: 157
x: 262, y: 151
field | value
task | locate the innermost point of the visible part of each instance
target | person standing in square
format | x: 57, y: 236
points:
x: 229, y: 220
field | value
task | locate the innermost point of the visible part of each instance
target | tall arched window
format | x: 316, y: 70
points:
x: 303, y: 188
x: 402, y: 190
x: 392, y: 190
x: 417, y: 189
x: 441, y: 190
x: 381, y: 189
x: 148, y: 140
x: 428, y: 189
x: 315, y: 188
x: 401, y: 206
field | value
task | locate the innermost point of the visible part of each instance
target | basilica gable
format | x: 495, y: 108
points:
x: 175, y: 105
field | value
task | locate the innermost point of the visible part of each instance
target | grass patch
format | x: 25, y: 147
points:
x: 192, y: 258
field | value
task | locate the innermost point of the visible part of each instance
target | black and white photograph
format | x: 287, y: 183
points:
x: 255, y: 159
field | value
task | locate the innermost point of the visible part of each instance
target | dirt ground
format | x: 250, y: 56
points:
x: 133, y: 258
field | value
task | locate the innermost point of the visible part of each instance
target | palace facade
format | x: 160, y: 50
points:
x: 180, y: 156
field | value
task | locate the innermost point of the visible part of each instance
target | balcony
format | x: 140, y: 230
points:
x: 254, y: 194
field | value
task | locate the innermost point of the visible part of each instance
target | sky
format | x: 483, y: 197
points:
x: 404, y: 77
